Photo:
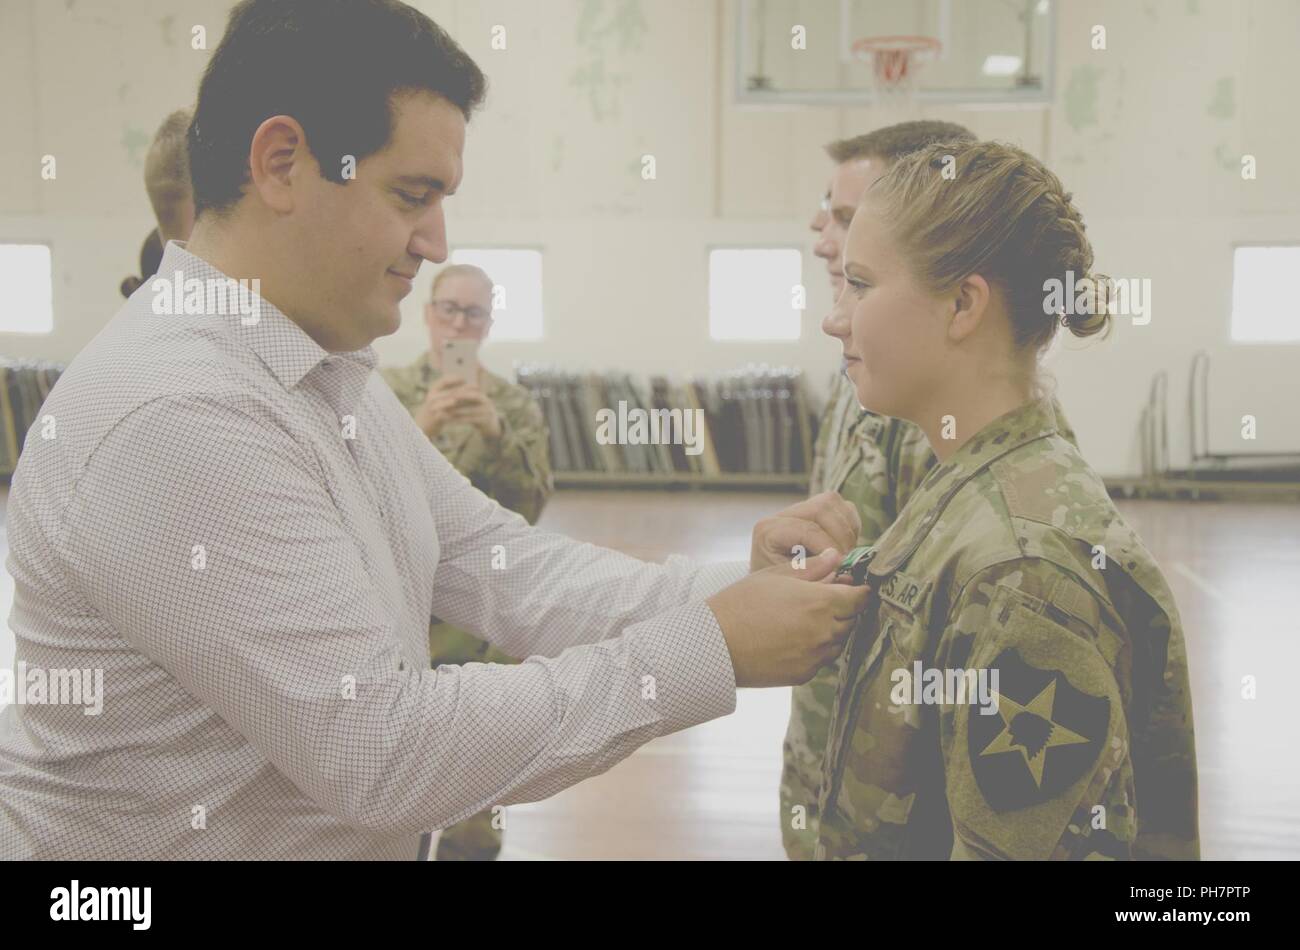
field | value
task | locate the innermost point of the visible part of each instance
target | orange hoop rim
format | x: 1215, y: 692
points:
x: 891, y: 56
x: 902, y: 43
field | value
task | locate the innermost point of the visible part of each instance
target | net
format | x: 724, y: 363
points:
x: 895, y: 61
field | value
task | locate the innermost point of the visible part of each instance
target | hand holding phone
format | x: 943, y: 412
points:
x: 460, y: 360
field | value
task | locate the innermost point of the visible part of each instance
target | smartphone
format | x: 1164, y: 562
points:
x: 460, y: 359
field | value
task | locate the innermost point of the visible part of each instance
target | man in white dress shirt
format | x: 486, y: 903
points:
x: 234, y: 519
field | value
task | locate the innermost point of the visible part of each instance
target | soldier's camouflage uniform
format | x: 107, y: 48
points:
x: 517, y: 473
x: 875, y: 463
x: 1011, y: 557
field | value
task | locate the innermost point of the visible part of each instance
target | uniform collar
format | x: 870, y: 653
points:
x: 1034, y: 420
x: 283, y: 346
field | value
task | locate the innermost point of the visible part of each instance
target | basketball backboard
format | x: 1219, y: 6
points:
x: 995, y: 52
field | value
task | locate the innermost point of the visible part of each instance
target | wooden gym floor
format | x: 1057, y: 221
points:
x: 711, y: 792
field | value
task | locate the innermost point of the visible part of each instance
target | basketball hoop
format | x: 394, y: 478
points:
x: 894, y: 59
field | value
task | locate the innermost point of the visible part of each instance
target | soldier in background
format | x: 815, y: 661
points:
x: 167, y: 182
x: 167, y: 178
x: 492, y: 431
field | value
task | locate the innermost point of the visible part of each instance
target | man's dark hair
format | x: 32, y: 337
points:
x: 894, y: 141
x: 333, y: 65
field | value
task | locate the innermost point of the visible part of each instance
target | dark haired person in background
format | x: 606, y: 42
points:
x: 151, y: 253
x: 244, y: 529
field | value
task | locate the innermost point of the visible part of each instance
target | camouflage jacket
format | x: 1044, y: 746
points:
x: 517, y: 471
x: 876, y: 463
x: 1011, y: 560
x: 841, y: 411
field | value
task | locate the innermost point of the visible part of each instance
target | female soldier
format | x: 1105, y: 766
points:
x: 1018, y: 686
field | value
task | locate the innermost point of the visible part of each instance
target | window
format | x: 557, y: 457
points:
x: 1264, y: 307
x: 755, y: 293
x: 29, y: 289
x: 517, y: 289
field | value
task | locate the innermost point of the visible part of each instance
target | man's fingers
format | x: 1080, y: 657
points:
x: 814, y: 568
x: 836, y: 516
x: 848, y: 515
x: 786, y: 534
x: 848, y: 602
x: 822, y: 567
x: 855, y: 519
x: 832, y: 512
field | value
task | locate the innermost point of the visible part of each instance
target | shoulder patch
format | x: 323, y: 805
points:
x: 1045, y: 736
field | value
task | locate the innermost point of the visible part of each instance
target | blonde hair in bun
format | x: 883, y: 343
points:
x: 988, y: 208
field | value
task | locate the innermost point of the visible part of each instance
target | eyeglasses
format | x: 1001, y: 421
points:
x: 474, y: 315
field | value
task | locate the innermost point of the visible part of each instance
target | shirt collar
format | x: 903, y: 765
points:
x: 283, y: 346
x: 1034, y: 420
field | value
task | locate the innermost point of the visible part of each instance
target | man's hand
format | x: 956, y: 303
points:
x: 781, y: 629
x: 452, y: 400
x: 821, y: 523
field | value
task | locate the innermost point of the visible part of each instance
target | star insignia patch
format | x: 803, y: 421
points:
x: 1042, y: 739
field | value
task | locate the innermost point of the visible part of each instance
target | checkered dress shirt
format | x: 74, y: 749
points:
x: 249, y: 535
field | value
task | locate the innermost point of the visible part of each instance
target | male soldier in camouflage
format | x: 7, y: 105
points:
x: 167, y: 182
x: 1009, y: 567
x: 493, y: 433
x: 872, y: 461
x: 167, y: 178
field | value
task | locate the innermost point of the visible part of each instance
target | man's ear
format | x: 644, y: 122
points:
x: 970, y: 304
x: 279, y: 147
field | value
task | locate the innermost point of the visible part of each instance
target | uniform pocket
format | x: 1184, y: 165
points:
x: 877, y: 763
